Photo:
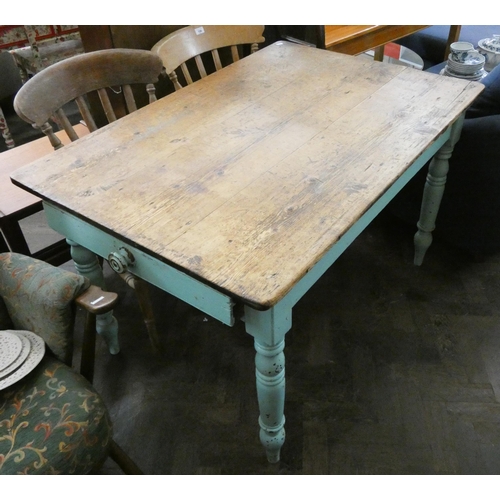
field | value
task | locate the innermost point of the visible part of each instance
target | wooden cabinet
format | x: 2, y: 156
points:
x: 132, y: 37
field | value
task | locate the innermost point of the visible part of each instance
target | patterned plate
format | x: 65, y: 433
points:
x: 21, y: 358
x: 36, y: 352
x: 464, y: 69
x: 10, y: 348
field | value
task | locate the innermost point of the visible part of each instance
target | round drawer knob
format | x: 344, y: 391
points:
x: 120, y: 260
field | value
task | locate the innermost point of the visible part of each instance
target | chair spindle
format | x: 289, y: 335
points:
x: 62, y: 121
x: 175, y: 80
x: 151, y: 90
x: 216, y: 58
x: 86, y: 114
x: 235, y: 53
x: 106, y: 104
x: 129, y: 98
x: 200, y: 66
x: 186, y: 73
x: 47, y: 129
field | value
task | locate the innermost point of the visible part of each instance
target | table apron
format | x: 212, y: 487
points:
x: 165, y: 277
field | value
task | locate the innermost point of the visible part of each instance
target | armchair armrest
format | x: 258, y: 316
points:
x: 95, y: 301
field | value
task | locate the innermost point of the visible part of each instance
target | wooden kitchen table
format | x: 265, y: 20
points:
x: 240, y: 190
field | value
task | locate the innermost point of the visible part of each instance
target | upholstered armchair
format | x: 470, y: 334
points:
x: 53, y: 421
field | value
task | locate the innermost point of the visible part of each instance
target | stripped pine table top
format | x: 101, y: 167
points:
x: 246, y: 178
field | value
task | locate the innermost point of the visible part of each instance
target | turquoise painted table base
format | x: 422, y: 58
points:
x: 268, y: 327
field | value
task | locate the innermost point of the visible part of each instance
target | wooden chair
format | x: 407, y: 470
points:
x: 52, y: 420
x: 111, y: 74
x: 193, y: 41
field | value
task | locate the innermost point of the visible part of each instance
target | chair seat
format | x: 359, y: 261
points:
x: 53, y: 400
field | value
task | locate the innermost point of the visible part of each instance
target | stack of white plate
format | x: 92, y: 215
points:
x: 20, y: 353
x: 472, y: 68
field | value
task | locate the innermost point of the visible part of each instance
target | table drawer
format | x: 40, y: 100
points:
x: 169, y: 279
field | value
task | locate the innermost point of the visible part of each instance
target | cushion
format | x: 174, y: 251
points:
x: 488, y: 102
x: 52, y: 422
x: 39, y: 298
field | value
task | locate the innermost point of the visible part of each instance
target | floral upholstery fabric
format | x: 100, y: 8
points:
x: 52, y: 422
x: 39, y: 298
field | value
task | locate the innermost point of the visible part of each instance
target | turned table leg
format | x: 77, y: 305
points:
x: 268, y: 329
x: 87, y: 264
x: 433, y: 193
x: 270, y: 378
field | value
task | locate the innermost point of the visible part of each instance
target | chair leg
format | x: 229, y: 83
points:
x: 125, y: 463
x: 94, y: 300
x: 141, y: 288
x: 144, y: 298
x: 88, y: 348
x: 9, y: 142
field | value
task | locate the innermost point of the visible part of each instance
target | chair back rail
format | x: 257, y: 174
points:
x: 117, y: 69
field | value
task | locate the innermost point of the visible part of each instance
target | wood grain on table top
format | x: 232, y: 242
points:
x: 247, y: 178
